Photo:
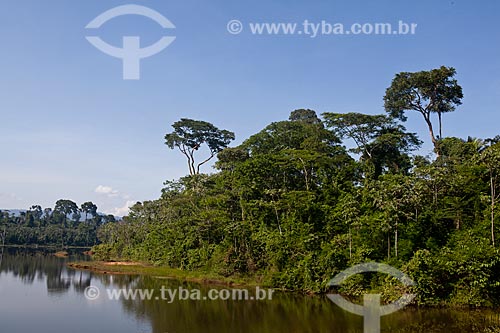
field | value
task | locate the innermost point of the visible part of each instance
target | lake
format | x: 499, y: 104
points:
x: 38, y: 293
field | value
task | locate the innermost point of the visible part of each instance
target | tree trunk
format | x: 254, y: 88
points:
x: 277, y: 217
x: 389, y: 245
x: 350, y: 243
x: 306, y: 174
x: 440, y: 126
x: 431, y: 132
x: 3, y: 244
x: 193, y: 172
x: 64, y: 229
x: 396, y: 240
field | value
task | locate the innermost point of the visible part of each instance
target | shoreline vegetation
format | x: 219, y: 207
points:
x: 47, y: 247
x: 141, y: 268
x: 208, y: 278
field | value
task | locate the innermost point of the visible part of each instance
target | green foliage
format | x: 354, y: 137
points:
x: 427, y: 92
x: 382, y: 142
x: 434, y: 91
x: 189, y: 135
x: 291, y: 208
x: 60, y: 226
x: 467, y: 272
x: 305, y: 115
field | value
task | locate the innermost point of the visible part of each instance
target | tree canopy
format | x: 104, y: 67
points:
x: 427, y: 92
x: 189, y: 135
x: 60, y: 226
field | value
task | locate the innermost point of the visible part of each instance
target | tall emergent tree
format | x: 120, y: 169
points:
x: 189, y: 135
x: 35, y: 212
x: 382, y: 143
x: 89, y: 208
x: 361, y: 128
x: 64, y: 208
x: 427, y: 92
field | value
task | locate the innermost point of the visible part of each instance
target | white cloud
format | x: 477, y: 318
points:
x: 114, y: 198
x: 107, y: 190
x: 122, y: 211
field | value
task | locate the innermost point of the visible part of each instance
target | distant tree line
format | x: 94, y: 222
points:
x: 64, y: 225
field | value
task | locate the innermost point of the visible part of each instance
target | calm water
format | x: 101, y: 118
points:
x: 39, y: 294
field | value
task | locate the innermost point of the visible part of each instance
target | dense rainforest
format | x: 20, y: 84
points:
x: 307, y: 197
x: 64, y: 225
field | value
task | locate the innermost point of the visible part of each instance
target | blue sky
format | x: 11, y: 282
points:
x: 70, y: 127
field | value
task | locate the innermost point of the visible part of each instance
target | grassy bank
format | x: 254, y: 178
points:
x: 137, y: 268
x: 35, y: 246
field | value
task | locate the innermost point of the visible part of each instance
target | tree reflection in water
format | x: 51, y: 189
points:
x: 29, y: 265
x: 287, y: 312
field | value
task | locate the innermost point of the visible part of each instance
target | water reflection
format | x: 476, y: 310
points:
x: 28, y: 272
x: 28, y: 265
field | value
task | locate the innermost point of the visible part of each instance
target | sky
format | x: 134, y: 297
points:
x: 72, y: 128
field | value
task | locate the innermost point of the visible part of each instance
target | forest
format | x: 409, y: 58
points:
x: 307, y: 197
x: 62, y: 226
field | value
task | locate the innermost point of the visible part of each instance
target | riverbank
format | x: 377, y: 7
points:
x: 34, y: 246
x: 287, y: 312
x: 138, y: 268
x: 209, y: 278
